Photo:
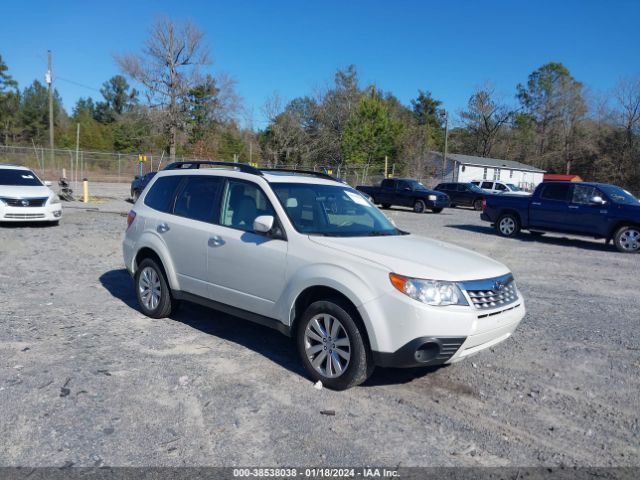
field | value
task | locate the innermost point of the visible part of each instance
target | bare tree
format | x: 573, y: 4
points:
x: 168, y: 69
x: 484, y: 118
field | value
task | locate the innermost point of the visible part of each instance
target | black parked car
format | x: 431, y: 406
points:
x: 406, y: 192
x: 460, y: 193
x: 138, y: 184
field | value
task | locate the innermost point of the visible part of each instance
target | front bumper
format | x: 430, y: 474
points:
x: 47, y: 213
x: 439, y: 203
x: 406, y: 333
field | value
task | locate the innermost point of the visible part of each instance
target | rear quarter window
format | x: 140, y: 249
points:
x: 162, y: 193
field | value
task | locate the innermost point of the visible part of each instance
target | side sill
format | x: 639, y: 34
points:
x: 238, y: 312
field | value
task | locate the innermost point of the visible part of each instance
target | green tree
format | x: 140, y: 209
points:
x: 429, y: 114
x: 369, y: 134
x: 9, y: 102
x: 118, y: 99
x: 553, y: 99
x: 34, y: 111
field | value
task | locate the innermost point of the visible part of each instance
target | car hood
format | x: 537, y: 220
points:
x: 20, y: 191
x: 418, y: 257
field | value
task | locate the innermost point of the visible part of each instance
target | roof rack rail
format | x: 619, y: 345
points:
x: 302, y: 172
x: 188, y: 165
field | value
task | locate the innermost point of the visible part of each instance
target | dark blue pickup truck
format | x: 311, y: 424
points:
x: 592, y: 209
x: 406, y: 192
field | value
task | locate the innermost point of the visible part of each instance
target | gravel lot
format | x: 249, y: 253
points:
x: 85, y: 379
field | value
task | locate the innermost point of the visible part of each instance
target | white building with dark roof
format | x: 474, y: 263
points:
x: 465, y: 168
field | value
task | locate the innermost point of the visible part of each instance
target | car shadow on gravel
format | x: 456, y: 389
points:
x: 16, y: 225
x: 263, y: 340
x: 548, y: 238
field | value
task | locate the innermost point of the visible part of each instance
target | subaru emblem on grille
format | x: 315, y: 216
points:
x: 25, y: 203
x: 498, y: 286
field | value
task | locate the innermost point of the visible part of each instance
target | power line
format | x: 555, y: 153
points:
x: 77, y: 84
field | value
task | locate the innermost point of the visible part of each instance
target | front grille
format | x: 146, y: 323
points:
x: 24, y: 216
x: 492, y: 293
x: 24, y: 202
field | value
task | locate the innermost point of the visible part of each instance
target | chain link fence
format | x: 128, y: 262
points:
x: 123, y: 167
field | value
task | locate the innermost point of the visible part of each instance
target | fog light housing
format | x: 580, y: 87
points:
x: 57, y: 213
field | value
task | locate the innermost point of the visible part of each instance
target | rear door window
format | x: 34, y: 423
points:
x: 162, y: 193
x: 558, y: 192
x: 387, y: 183
x: 500, y: 187
x: 198, y: 199
x: 487, y: 185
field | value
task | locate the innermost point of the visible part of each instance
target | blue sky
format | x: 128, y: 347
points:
x: 294, y: 47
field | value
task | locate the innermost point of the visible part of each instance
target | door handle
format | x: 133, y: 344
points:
x: 573, y: 207
x: 215, y: 241
x: 162, y: 228
x: 536, y: 203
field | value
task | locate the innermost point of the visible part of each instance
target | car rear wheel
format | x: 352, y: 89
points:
x: 627, y: 239
x: 331, y: 345
x: 152, y: 290
x: 508, y: 225
x: 477, y: 205
x: 419, y: 206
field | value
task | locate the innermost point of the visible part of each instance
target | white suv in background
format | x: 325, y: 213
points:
x: 313, y: 258
x: 25, y: 198
x: 495, y: 186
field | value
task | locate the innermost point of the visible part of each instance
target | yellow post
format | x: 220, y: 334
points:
x: 85, y: 188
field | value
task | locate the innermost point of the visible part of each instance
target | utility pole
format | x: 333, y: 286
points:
x: 49, y: 79
x: 446, y: 137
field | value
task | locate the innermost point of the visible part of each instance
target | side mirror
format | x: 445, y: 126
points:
x: 263, y: 224
x: 598, y: 200
x: 47, y: 183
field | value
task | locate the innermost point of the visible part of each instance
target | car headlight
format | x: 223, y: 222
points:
x: 431, y: 292
x: 54, y: 199
x: 2, y: 202
x: 433, y: 198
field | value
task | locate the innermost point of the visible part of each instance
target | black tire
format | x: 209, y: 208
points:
x: 165, y: 304
x: 419, y: 206
x: 436, y: 210
x: 359, y: 365
x: 508, y: 225
x: 477, y: 205
x: 627, y: 239
x: 386, y: 205
x: 452, y: 205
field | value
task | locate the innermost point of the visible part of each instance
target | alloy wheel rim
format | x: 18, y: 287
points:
x: 630, y: 240
x: 418, y: 207
x: 507, y: 225
x: 149, y: 288
x: 327, y: 345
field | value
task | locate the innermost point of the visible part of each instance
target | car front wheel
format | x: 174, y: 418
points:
x: 436, y: 210
x: 331, y: 345
x: 419, y: 206
x: 627, y: 239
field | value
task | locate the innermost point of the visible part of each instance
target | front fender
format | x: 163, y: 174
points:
x: 357, y: 288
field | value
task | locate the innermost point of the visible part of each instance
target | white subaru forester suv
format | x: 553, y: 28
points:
x: 310, y: 256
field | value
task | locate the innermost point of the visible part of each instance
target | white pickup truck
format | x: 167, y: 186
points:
x: 315, y: 259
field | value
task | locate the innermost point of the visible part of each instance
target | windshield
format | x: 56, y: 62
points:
x: 331, y: 210
x: 416, y: 185
x: 514, y: 188
x: 475, y: 188
x: 22, y: 178
x: 619, y: 195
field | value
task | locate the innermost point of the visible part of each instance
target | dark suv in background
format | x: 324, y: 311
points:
x: 466, y: 194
